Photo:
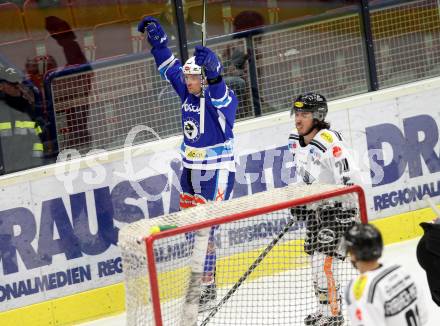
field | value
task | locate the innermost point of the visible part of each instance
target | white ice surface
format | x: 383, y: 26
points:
x: 403, y: 253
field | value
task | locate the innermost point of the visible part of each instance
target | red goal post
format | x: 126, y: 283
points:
x: 156, y: 282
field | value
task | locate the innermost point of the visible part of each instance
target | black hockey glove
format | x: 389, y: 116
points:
x: 302, y: 213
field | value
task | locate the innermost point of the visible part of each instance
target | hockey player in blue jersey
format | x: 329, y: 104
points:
x: 208, y: 160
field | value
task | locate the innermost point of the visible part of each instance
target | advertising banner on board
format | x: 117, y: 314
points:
x: 58, y: 233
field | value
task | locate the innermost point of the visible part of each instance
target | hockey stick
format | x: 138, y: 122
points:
x: 249, y: 271
x: 431, y: 204
x: 201, y: 237
x: 202, y: 96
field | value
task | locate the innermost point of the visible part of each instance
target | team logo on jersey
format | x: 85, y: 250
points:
x: 337, y: 151
x: 314, y: 154
x: 306, y: 176
x: 191, y: 130
x: 359, y: 287
x: 326, y: 236
x: 327, y: 137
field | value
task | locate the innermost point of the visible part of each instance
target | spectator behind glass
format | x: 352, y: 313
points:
x: 36, y: 68
x: 76, y: 131
x: 236, y: 59
x: 62, y: 33
x: 247, y: 19
x: 20, y: 134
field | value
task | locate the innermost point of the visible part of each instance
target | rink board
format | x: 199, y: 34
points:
x: 64, y: 218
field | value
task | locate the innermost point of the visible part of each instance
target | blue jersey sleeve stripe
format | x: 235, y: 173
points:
x: 217, y: 160
x: 169, y: 66
x: 222, y: 103
x: 166, y: 62
x: 165, y: 65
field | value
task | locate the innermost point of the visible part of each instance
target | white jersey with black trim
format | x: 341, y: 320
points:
x: 386, y: 296
x: 326, y: 159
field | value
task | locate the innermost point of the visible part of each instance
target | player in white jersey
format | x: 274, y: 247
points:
x: 321, y: 156
x: 381, y: 295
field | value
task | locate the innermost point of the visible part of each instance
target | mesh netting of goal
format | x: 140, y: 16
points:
x: 259, y: 280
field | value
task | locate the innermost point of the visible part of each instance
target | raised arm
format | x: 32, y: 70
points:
x: 222, y: 98
x: 168, y: 65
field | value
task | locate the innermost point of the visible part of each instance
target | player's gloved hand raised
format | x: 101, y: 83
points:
x: 156, y: 36
x: 208, y: 59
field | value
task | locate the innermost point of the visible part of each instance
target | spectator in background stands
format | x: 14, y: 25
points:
x: 76, y: 130
x: 166, y: 94
x: 20, y: 133
x: 428, y: 256
x: 236, y: 59
x: 62, y: 33
x: 247, y: 19
x: 36, y: 69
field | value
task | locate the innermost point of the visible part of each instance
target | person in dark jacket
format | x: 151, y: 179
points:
x: 21, y: 144
x: 428, y: 256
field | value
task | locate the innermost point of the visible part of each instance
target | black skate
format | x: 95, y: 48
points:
x: 311, y: 319
x: 207, y: 297
x: 317, y: 319
x: 330, y: 321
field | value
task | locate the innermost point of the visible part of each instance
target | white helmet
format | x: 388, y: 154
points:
x: 191, y: 68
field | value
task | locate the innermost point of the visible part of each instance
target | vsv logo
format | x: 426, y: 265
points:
x: 417, y: 142
x: 190, y: 108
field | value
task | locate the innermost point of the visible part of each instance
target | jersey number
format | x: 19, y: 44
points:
x: 412, y: 318
x: 342, y: 165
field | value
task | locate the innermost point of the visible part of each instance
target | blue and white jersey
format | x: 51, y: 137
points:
x: 214, y: 148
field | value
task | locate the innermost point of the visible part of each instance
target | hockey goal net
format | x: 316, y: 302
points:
x: 259, y: 280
